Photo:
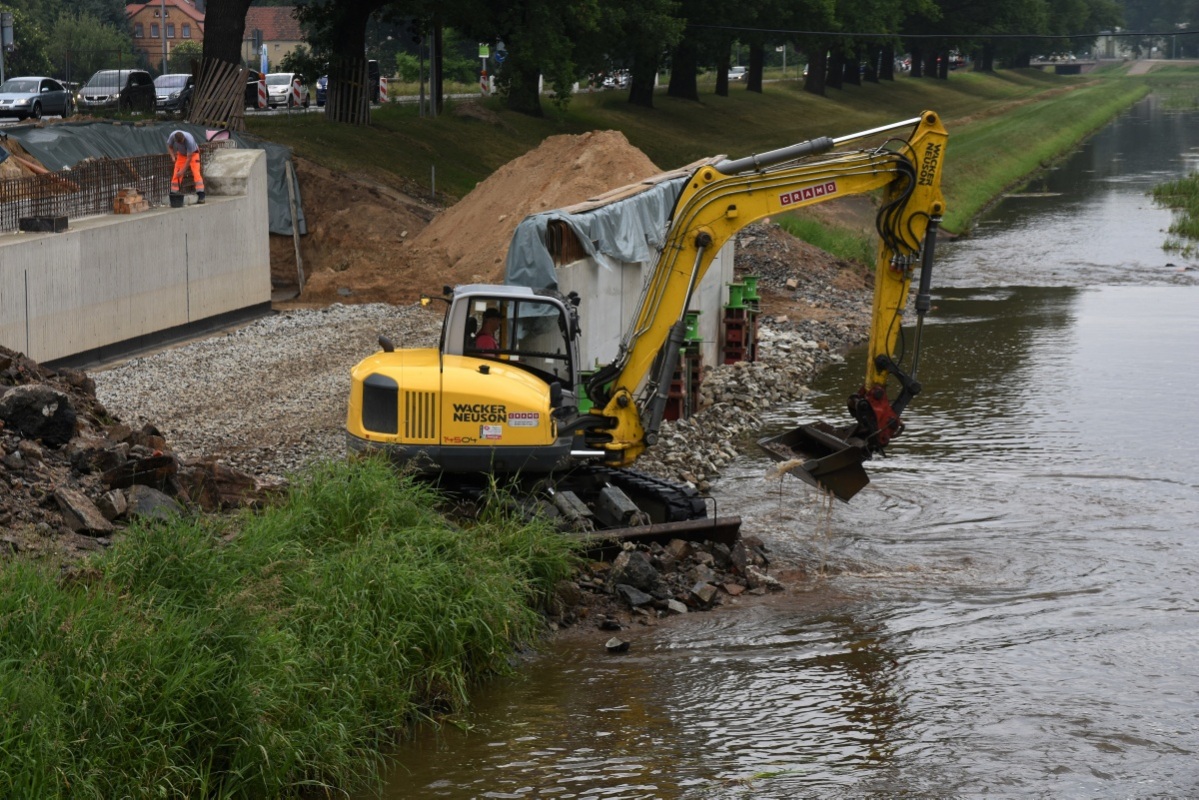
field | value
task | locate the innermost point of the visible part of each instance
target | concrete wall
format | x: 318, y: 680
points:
x: 609, y: 301
x: 123, y: 278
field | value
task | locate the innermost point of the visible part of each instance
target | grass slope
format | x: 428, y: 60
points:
x: 1003, y: 127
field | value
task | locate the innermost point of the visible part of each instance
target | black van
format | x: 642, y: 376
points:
x: 119, y: 90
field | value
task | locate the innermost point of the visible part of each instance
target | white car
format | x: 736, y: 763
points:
x: 737, y: 73
x: 278, y: 90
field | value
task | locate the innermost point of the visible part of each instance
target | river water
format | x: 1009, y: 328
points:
x: 1010, y: 609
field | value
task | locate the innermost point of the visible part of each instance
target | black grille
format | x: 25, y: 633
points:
x: 380, y: 404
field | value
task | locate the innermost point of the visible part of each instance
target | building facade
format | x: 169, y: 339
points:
x: 160, y: 25
x: 273, y: 26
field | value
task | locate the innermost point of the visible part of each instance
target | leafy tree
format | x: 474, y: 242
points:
x: 183, y: 55
x: 304, y: 62
x: 83, y: 44
x: 30, y: 43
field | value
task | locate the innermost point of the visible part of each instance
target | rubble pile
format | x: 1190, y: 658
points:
x: 650, y: 581
x: 73, y: 475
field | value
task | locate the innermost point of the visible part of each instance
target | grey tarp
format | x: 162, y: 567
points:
x: 631, y: 230
x: 65, y: 144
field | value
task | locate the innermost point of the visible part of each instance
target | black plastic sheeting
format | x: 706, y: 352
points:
x: 65, y: 144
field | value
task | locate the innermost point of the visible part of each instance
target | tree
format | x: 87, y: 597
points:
x: 185, y: 57
x: 224, y: 27
x: 83, y: 44
x: 30, y: 45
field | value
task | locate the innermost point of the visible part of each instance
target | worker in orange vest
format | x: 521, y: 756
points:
x: 183, y: 148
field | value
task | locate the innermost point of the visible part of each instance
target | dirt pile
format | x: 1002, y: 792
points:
x: 367, y: 244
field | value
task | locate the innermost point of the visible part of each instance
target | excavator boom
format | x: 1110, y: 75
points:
x: 722, y: 198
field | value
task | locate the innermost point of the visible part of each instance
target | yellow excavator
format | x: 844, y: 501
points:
x: 504, y: 395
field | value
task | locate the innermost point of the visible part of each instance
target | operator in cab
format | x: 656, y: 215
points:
x: 486, y: 338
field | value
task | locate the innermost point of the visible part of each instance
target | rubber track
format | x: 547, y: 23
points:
x: 679, y: 502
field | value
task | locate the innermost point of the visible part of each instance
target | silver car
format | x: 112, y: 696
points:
x: 34, y: 97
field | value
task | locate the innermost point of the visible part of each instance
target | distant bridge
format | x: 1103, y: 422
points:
x: 1066, y: 67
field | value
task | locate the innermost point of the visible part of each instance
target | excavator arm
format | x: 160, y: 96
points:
x: 720, y: 199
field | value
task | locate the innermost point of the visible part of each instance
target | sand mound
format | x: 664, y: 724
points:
x: 465, y: 243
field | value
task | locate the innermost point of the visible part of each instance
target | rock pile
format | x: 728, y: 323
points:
x: 648, y: 581
x: 732, y: 396
x: 73, y: 475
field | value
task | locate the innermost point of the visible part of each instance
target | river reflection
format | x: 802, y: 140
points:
x: 1009, y: 609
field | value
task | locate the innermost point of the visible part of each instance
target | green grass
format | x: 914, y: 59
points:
x: 1003, y: 127
x: 840, y: 242
x: 264, y: 655
x: 1182, y: 196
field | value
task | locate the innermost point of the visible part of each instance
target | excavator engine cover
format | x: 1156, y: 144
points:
x: 823, y: 456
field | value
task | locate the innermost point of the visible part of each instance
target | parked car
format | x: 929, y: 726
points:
x: 737, y: 73
x: 322, y: 89
x: 278, y: 89
x: 174, y: 91
x: 119, y: 90
x: 32, y: 97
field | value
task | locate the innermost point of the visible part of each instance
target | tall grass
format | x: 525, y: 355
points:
x: 841, y: 242
x: 1182, y: 196
x: 265, y: 655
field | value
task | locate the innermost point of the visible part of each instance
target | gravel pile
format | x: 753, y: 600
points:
x: 269, y: 398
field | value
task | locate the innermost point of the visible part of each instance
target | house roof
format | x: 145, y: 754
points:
x: 277, y: 23
x: 188, y: 7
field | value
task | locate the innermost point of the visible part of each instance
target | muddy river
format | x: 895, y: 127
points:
x: 1010, y: 609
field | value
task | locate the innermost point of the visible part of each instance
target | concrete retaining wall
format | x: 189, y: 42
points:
x: 609, y: 301
x: 122, y: 279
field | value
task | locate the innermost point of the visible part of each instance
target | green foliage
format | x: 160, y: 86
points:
x: 183, y: 54
x: 303, y: 61
x: 276, y: 653
x: 1182, y: 196
x: 83, y: 44
x: 30, y: 43
x: 844, y: 244
x: 407, y: 67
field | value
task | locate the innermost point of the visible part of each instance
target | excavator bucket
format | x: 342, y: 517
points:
x: 823, y: 456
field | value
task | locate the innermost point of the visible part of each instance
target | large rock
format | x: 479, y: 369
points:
x: 39, y: 412
x: 146, y: 502
x: 634, y: 568
x: 80, y: 514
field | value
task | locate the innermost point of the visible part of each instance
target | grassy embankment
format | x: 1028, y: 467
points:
x: 1176, y: 85
x: 253, y: 656
x: 1002, y: 127
x: 263, y: 655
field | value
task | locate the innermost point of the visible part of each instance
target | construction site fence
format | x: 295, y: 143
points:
x: 89, y: 188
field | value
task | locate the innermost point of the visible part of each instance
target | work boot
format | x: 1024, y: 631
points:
x: 199, y: 198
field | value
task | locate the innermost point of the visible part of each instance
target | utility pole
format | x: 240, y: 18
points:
x: 162, y: 31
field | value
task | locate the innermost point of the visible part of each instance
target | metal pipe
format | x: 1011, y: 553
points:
x: 924, y: 293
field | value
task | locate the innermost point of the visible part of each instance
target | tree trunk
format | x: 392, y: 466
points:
x: 943, y: 65
x: 886, y: 63
x: 522, y: 81
x: 853, y: 66
x: 348, y: 95
x: 873, y: 57
x: 836, y: 68
x: 224, y: 27
x: 641, y: 81
x: 683, y: 68
x: 436, y: 68
x: 723, y: 61
x: 757, y: 61
x: 917, y: 62
x: 813, y: 82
